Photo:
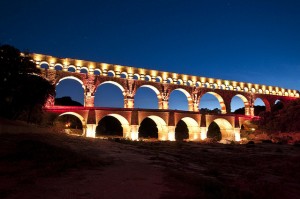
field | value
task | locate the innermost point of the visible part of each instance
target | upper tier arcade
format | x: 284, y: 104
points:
x: 129, y: 79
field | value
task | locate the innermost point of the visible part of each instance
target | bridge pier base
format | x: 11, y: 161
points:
x: 203, y: 133
x: 91, y: 130
x: 133, y: 134
x: 194, y: 133
x: 171, y: 133
x: 237, y: 134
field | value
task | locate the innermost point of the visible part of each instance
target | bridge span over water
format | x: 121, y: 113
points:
x: 128, y: 79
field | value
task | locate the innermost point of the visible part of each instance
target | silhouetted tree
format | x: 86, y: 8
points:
x: 257, y: 110
x: 23, y: 91
x: 209, y: 111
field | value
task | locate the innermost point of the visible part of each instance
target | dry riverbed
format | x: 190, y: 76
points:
x: 38, y: 163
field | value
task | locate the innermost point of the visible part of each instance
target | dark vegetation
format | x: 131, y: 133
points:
x: 23, y: 91
x: 209, y: 111
x: 282, y: 118
x: 257, y: 110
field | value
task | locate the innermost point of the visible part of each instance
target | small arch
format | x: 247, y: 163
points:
x: 97, y: 71
x: 189, y: 83
x: 230, y: 88
x: 136, y: 76
x: 158, y: 79
x: 169, y: 80
x: 44, y: 65
x: 222, y: 87
x: 198, y: 84
x: 147, y: 78
x: 179, y: 82
x: 286, y: 94
x: 267, y: 92
x: 238, y: 88
x: 58, y: 66
x: 279, y: 93
x: 253, y: 90
x: 206, y: 85
x: 84, y: 70
x: 246, y: 89
x: 71, y: 68
x: 111, y: 73
x: 124, y: 75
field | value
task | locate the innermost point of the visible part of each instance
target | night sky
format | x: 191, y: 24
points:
x: 254, y: 41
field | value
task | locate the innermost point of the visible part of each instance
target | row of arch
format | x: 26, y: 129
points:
x: 222, y: 105
x: 203, y: 82
x: 192, y: 126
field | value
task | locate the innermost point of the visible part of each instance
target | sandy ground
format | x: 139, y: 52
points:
x: 38, y: 163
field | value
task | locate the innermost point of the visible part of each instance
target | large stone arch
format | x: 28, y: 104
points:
x: 83, y: 122
x: 188, y: 96
x: 219, y: 98
x: 193, y: 127
x: 246, y: 103
x: 161, y: 126
x: 156, y: 91
x: 227, y: 130
x: 70, y: 77
x: 117, y: 84
x: 124, y: 123
x: 265, y: 101
x: 114, y: 83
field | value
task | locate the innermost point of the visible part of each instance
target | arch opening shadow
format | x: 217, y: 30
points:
x: 226, y: 129
x: 109, y: 126
x: 181, y: 131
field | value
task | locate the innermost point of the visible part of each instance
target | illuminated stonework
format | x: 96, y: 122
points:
x: 129, y: 79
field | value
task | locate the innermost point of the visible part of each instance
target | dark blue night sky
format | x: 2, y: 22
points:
x: 249, y: 41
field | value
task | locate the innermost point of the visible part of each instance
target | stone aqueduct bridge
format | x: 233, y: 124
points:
x: 130, y: 79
